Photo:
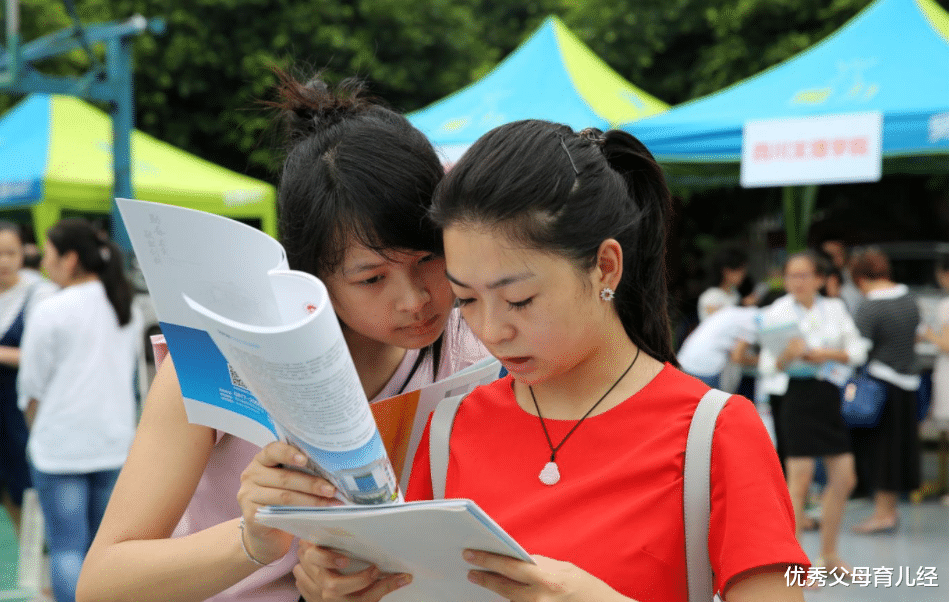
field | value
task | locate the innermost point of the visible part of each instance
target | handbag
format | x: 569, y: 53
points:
x: 862, y: 399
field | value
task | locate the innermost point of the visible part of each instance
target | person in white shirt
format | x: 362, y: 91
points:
x: 730, y: 270
x: 77, y: 365
x: 821, y: 335
x: 707, y: 350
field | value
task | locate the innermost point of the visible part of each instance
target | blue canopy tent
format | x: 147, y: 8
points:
x: 892, y: 57
x: 553, y: 76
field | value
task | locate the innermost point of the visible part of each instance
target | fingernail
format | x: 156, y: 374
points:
x: 327, y: 490
x: 403, y: 580
x: 473, y: 576
x: 342, y: 561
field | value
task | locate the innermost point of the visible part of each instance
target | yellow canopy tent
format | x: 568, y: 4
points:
x: 56, y: 157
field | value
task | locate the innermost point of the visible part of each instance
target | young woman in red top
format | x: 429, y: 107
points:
x: 555, y: 245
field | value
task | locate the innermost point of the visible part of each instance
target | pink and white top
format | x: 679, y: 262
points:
x: 215, y: 498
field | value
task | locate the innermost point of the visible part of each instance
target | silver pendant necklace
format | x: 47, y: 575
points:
x: 550, y: 474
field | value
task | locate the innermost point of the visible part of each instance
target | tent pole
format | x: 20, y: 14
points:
x: 791, y: 221
x: 809, y: 196
x: 799, y: 205
x: 120, y: 76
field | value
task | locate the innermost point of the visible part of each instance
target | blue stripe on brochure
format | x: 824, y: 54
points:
x: 203, y: 374
x: 365, y: 455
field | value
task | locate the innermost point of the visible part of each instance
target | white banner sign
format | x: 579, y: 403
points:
x: 831, y: 149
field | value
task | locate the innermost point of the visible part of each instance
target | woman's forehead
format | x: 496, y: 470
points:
x: 358, y: 256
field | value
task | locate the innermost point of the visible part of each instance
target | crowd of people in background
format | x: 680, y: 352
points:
x: 67, y: 367
x: 851, y: 316
x: 849, y: 313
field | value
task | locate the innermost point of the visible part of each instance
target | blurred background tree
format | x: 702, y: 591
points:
x: 197, y: 86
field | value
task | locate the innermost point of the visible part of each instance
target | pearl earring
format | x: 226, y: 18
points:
x: 607, y: 294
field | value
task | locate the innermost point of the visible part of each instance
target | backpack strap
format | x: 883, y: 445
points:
x: 696, y: 469
x: 440, y: 430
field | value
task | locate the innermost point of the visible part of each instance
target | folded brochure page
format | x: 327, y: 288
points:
x: 424, y: 539
x: 259, y: 352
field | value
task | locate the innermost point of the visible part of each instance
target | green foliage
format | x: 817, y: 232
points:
x: 683, y: 49
x: 199, y: 85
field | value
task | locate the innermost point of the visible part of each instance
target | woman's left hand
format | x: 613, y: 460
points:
x: 548, y: 580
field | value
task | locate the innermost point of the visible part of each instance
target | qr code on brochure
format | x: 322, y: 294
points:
x: 236, y: 379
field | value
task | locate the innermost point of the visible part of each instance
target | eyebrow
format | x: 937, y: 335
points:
x: 363, y: 267
x: 496, y: 284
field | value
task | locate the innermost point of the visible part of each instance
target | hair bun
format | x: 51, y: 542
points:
x: 307, y: 107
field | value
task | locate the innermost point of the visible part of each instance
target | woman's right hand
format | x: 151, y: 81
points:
x: 269, y: 481
x: 795, y: 349
x: 320, y: 577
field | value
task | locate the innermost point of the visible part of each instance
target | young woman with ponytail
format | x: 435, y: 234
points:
x: 354, y: 192
x: 77, y: 365
x: 554, y: 245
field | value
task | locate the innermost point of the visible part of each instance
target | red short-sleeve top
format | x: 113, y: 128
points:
x: 617, y: 511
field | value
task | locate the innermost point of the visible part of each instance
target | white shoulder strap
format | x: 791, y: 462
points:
x: 696, y: 494
x: 440, y: 431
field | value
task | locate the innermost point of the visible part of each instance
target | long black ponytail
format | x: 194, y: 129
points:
x: 542, y: 184
x: 642, y: 295
x: 96, y: 255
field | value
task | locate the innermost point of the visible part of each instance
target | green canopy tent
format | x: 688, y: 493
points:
x: 56, y: 157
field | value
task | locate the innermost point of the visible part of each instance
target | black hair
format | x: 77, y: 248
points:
x: 824, y: 263
x: 544, y: 185
x: 826, y: 269
x: 32, y: 257
x: 731, y: 258
x: 354, y: 171
x: 96, y: 255
x: 8, y: 226
x: 746, y: 287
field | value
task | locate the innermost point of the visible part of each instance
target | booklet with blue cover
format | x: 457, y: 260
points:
x: 259, y: 351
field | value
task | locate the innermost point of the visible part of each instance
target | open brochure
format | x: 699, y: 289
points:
x: 424, y: 539
x: 260, y: 354
x: 774, y: 338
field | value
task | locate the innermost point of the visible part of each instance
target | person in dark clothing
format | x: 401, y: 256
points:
x: 887, y: 454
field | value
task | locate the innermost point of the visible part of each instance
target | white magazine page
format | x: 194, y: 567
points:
x: 302, y: 374
x: 214, y: 260
x: 425, y: 539
x: 775, y: 337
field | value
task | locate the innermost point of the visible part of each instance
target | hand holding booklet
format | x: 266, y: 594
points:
x: 260, y: 354
x: 424, y: 539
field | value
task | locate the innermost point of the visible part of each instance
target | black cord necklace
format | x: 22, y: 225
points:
x: 550, y: 473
